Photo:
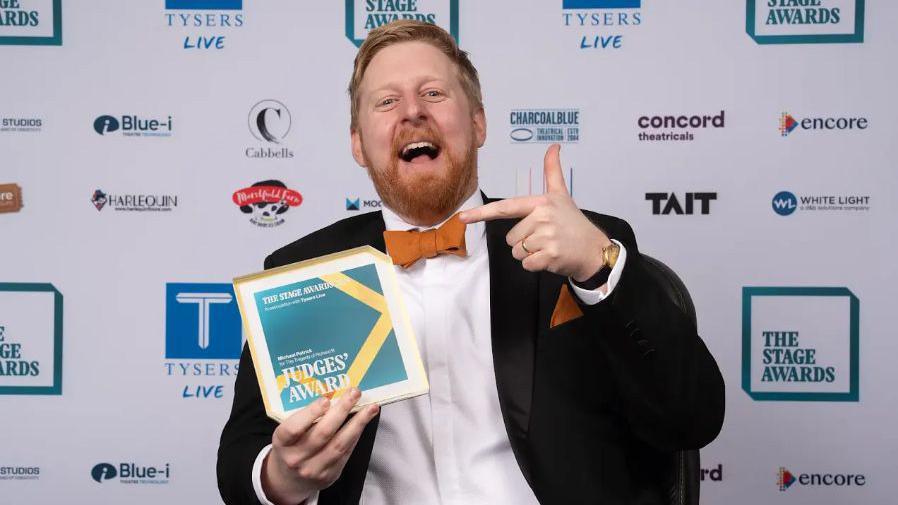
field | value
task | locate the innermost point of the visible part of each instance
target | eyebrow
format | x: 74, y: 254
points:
x: 393, y: 85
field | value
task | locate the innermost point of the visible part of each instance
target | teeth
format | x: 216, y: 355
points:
x: 416, y: 145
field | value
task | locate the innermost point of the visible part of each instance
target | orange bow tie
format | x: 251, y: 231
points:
x: 407, y: 247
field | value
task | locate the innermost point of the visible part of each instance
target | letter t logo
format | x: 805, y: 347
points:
x: 203, y: 302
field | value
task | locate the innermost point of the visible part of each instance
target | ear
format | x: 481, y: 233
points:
x: 480, y: 126
x: 357, y: 152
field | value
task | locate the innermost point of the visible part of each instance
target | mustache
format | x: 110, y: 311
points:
x: 406, y: 136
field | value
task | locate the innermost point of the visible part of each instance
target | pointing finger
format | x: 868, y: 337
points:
x: 503, y: 209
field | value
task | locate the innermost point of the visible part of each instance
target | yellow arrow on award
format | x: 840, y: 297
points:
x: 373, y: 342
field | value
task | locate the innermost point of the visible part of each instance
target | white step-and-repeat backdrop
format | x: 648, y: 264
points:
x: 750, y: 143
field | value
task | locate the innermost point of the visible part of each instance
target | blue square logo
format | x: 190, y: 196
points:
x: 202, y: 321
x: 31, y: 23
x: 362, y: 16
x: 821, y: 22
x: 800, y: 344
x: 30, y: 339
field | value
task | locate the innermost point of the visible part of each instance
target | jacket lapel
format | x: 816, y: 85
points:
x: 513, y: 322
x: 372, y: 233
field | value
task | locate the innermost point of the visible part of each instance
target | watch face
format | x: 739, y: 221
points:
x: 610, y: 254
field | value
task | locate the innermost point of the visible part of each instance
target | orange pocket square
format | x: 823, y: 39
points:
x: 566, y: 308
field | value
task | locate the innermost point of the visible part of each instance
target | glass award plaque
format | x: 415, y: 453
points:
x: 320, y: 326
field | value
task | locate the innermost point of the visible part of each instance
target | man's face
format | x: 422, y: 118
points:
x: 417, y: 133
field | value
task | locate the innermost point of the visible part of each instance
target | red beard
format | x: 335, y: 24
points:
x: 425, y: 198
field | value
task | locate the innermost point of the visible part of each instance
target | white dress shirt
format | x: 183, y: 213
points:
x: 448, y: 447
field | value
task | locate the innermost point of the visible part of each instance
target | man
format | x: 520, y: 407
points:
x: 537, y: 395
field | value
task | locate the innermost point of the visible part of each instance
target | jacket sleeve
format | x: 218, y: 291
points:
x: 247, y: 431
x: 671, y: 390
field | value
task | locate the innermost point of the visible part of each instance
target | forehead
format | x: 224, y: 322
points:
x: 407, y: 63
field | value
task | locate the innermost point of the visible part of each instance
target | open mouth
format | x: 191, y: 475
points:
x: 413, y: 150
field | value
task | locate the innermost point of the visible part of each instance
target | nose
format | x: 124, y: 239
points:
x: 413, y: 109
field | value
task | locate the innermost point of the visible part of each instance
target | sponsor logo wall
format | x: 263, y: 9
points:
x: 158, y: 150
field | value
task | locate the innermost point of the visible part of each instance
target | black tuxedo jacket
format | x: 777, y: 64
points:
x: 593, y: 407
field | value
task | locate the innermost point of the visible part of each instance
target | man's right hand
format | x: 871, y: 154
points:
x: 307, y: 456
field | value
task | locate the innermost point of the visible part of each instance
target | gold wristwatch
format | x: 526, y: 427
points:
x: 609, y: 258
x: 609, y: 255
